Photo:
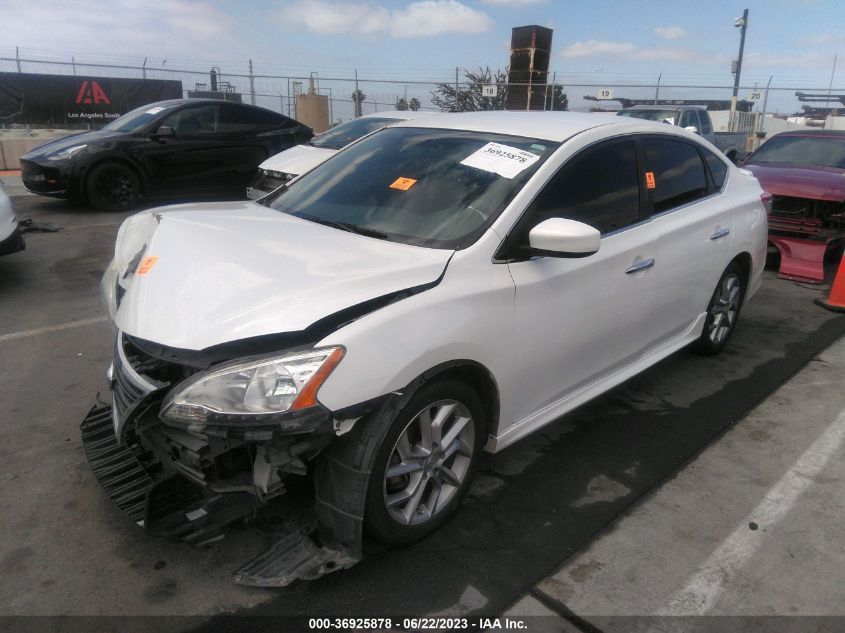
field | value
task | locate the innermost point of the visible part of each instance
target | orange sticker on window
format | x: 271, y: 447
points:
x: 146, y: 265
x: 403, y: 183
x: 649, y: 180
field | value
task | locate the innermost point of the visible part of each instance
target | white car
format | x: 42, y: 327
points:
x: 439, y: 288
x: 283, y: 167
x: 11, y: 240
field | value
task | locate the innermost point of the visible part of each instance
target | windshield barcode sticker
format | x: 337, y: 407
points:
x: 500, y: 159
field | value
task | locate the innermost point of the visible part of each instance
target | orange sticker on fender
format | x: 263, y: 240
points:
x: 649, y: 180
x: 403, y: 183
x: 146, y: 265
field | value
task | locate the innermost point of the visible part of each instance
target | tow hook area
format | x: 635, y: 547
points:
x: 172, y: 506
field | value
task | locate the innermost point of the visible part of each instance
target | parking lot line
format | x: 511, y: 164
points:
x: 51, y: 328
x: 704, y: 587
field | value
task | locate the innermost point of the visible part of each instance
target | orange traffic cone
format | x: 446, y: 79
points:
x: 836, y: 299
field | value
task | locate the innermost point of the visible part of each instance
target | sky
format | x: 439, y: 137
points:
x: 598, y: 42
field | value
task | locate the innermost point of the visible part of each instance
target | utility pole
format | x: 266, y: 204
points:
x: 357, y: 98
x: 829, y: 88
x: 657, y: 89
x: 143, y: 69
x: 765, y: 103
x: 742, y: 23
x: 18, y: 57
x: 251, y: 84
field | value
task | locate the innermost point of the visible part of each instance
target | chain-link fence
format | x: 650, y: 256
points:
x: 350, y: 93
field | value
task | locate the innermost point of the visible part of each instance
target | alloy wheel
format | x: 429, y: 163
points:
x: 116, y: 187
x: 429, y: 462
x: 724, y: 308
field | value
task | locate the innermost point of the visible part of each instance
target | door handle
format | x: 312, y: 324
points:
x: 640, y: 265
x: 720, y: 233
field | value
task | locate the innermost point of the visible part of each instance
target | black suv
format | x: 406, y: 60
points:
x: 169, y: 148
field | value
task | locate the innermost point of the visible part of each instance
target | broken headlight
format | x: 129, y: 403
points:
x: 246, y: 391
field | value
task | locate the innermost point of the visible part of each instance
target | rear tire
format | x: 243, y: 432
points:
x: 722, y: 312
x: 112, y: 186
x: 424, y: 464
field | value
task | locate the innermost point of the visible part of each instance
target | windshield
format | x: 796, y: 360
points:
x: 671, y: 116
x: 342, y: 135
x: 136, y: 119
x: 802, y: 150
x: 428, y: 187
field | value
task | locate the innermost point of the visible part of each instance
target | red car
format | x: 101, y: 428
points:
x: 804, y: 171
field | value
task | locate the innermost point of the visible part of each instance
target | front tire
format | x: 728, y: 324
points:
x: 425, y: 462
x: 112, y: 186
x: 722, y: 312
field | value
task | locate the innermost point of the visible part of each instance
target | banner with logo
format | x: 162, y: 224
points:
x: 63, y: 100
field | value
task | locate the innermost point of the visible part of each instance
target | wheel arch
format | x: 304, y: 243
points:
x: 477, y: 376
x: 745, y: 264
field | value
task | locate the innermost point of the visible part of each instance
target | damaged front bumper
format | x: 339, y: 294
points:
x: 189, y: 485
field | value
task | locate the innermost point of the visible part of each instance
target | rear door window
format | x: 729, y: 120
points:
x: 690, y: 119
x: 241, y: 119
x: 705, y: 122
x: 195, y: 120
x: 718, y: 169
x: 677, y: 173
x: 599, y: 187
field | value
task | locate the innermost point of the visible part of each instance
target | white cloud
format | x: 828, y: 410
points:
x: 824, y: 39
x: 185, y: 27
x: 591, y: 48
x: 627, y: 51
x: 804, y: 61
x: 417, y: 19
x: 513, y: 3
x: 670, y: 32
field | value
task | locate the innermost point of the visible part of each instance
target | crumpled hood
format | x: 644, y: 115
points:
x: 297, y: 160
x: 234, y: 270
x: 817, y: 183
x: 58, y: 144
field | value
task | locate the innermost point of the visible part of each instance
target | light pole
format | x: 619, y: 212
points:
x: 742, y: 24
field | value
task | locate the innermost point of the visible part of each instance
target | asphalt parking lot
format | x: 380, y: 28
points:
x: 65, y: 550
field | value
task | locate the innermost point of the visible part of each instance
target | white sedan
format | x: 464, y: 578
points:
x: 441, y: 287
x: 283, y: 167
x: 10, y: 236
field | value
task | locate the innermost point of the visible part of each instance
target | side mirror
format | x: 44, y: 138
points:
x: 691, y: 128
x: 164, y: 130
x: 557, y: 237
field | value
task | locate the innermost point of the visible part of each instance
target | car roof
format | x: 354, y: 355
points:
x: 665, y: 106
x: 402, y: 115
x: 202, y: 100
x: 820, y: 133
x: 552, y: 126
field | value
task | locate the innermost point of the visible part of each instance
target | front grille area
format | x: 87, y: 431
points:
x: 124, y: 392
x: 826, y: 213
x: 137, y: 375
x: 127, y: 391
x: 42, y: 179
x: 151, y: 367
